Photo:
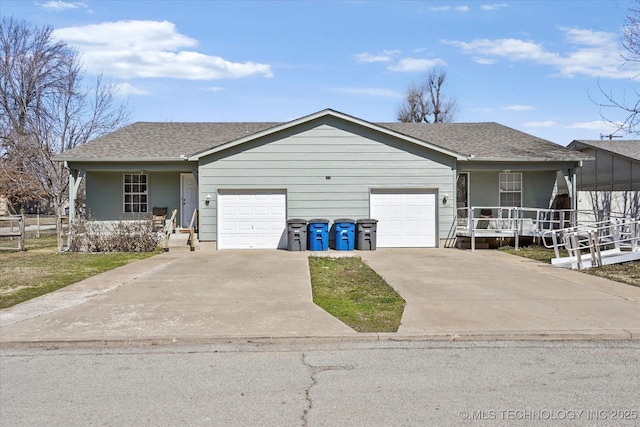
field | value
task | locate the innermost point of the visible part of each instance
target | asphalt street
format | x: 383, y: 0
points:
x: 323, y: 383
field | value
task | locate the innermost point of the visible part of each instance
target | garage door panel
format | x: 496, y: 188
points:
x: 405, y: 219
x: 251, y: 220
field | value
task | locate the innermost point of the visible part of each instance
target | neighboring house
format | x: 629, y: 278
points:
x: 608, y: 186
x: 247, y: 179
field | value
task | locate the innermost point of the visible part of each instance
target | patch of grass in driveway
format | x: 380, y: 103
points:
x: 351, y: 291
x: 627, y: 272
x: 40, y: 269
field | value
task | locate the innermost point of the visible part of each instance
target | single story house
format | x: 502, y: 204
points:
x: 247, y: 179
x: 608, y: 186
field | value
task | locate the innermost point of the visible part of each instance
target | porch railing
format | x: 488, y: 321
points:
x: 593, y: 245
x: 496, y: 221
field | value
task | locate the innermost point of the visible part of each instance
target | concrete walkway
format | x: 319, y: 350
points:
x: 211, y: 295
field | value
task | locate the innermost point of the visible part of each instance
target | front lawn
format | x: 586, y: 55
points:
x: 40, y: 269
x: 351, y: 291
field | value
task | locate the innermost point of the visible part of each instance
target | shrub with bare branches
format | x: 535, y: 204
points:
x: 118, y: 236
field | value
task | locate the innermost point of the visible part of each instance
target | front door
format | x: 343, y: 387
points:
x: 189, y: 197
x: 462, y: 198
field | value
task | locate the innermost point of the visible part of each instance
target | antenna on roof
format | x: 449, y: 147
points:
x: 609, y: 137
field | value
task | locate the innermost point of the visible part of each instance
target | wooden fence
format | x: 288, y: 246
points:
x: 12, y: 232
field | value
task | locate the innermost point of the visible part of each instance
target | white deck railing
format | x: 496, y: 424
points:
x: 596, y: 244
x: 491, y: 221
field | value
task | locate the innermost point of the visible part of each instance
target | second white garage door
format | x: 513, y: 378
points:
x: 405, y: 219
x: 252, y: 219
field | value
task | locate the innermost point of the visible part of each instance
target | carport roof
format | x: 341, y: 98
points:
x: 156, y: 141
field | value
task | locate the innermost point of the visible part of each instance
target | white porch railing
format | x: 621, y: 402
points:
x: 593, y: 245
x: 491, y: 221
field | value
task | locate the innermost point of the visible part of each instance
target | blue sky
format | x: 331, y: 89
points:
x: 530, y: 65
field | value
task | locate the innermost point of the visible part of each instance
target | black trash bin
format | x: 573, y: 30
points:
x: 297, y: 234
x: 367, y: 231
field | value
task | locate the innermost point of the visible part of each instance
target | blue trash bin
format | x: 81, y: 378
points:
x: 345, y: 233
x: 318, y: 234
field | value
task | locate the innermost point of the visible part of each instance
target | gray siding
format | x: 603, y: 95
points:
x: 105, y: 194
x: 537, y: 188
x: 328, y: 169
x: 608, y: 172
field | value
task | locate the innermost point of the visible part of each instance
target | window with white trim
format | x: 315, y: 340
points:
x: 135, y: 192
x: 510, y: 189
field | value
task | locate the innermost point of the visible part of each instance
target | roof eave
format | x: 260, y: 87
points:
x: 526, y: 159
x: 121, y: 160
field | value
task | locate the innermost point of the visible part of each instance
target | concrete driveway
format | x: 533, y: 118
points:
x: 489, y: 294
x: 206, y: 294
x: 181, y: 295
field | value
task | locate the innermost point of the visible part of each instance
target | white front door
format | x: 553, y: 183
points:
x: 406, y: 219
x: 252, y: 219
x: 189, y: 198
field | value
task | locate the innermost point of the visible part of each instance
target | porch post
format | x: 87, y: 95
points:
x: 574, y: 198
x: 75, y: 178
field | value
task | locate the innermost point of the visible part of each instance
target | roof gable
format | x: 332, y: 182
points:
x: 150, y: 141
x: 320, y: 115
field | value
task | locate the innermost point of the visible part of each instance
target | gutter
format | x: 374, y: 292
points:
x: 472, y: 158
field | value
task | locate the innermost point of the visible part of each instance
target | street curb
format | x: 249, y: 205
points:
x: 362, y: 337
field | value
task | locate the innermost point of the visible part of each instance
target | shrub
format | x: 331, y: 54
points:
x: 118, y: 236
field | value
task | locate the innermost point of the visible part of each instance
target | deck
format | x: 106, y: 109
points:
x: 576, y: 246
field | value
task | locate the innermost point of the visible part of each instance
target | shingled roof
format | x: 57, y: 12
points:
x: 486, y: 141
x: 627, y: 148
x: 150, y: 141
x: 153, y: 141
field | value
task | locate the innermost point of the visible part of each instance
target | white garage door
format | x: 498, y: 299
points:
x: 252, y: 220
x: 405, y: 219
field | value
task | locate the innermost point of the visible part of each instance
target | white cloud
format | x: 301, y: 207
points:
x: 543, y: 124
x: 126, y: 89
x: 59, y: 5
x: 519, y: 108
x: 485, y: 61
x: 448, y: 8
x: 386, y: 93
x: 212, y: 89
x: 494, y: 6
x: 142, y: 49
x: 597, y: 125
x: 384, y: 56
x: 591, y: 53
x: 416, y: 64
x: 367, y: 57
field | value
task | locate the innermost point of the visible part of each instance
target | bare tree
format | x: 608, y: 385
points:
x: 425, y: 102
x: 629, y: 106
x: 45, y: 110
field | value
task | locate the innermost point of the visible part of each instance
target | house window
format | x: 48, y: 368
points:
x: 135, y: 192
x: 510, y: 189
